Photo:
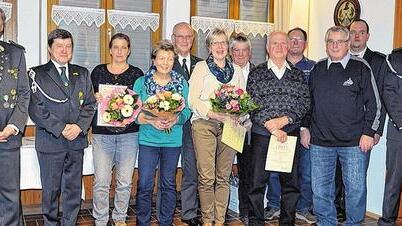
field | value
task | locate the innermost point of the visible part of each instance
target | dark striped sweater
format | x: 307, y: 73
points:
x: 288, y: 96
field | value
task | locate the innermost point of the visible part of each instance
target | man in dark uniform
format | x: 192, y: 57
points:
x: 14, y: 100
x: 392, y: 93
x: 62, y: 106
x: 359, y: 35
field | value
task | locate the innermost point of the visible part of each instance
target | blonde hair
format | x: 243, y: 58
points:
x: 213, y: 34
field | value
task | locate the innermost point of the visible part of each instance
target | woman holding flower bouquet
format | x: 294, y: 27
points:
x: 114, y: 146
x: 214, y: 158
x: 164, y: 94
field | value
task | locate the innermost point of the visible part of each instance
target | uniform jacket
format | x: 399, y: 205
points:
x: 177, y: 66
x: 51, y: 117
x: 14, y: 92
x: 392, y: 94
x: 378, y: 66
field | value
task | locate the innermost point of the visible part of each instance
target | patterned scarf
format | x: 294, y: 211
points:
x: 176, y: 84
x: 224, y: 75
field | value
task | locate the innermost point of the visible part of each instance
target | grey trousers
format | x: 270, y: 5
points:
x: 10, y: 207
x: 393, y: 183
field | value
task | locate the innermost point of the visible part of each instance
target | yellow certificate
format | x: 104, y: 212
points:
x: 280, y: 156
x: 233, y: 135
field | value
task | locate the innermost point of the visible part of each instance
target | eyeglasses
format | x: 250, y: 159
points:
x: 337, y: 42
x: 223, y: 43
x: 182, y: 37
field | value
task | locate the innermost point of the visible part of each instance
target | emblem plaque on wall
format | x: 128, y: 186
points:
x: 346, y: 11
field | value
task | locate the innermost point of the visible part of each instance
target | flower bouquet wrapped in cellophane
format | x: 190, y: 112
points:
x: 120, y: 107
x: 164, y: 105
x: 232, y: 100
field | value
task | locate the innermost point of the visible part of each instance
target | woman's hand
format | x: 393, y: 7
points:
x: 169, y: 123
x: 218, y: 116
x: 159, y: 124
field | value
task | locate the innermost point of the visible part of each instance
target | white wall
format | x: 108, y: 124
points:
x: 28, y: 30
x: 174, y: 11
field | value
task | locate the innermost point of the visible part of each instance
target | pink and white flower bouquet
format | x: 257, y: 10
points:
x: 164, y: 104
x: 120, y: 107
x: 232, y: 100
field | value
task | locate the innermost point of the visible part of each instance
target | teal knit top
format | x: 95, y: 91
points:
x: 145, y: 87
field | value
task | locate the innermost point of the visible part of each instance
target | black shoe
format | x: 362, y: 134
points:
x: 244, y: 220
x: 341, y: 216
x: 192, y: 222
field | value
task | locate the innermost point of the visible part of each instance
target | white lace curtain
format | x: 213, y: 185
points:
x: 247, y: 27
x: 133, y: 19
x: 78, y: 15
x: 6, y: 6
x: 91, y: 16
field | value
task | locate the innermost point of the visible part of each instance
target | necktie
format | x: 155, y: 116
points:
x: 184, y: 66
x: 63, y: 76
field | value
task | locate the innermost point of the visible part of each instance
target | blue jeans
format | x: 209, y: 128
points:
x: 120, y: 151
x: 274, y: 191
x: 305, y: 202
x: 148, y: 160
x: 354, y: 165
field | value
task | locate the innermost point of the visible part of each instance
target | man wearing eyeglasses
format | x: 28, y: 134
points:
x: 297, y: 45
x: 182, y: 39
x: 344, y: 118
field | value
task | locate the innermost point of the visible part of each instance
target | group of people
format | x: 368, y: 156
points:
x: 334, y: 107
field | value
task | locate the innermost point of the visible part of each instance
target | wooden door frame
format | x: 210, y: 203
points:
x: 398, y: 24
x: 398, y: 44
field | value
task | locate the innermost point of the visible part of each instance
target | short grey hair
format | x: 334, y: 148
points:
x: 165, y: 45
x: 240, y: 37
x: 337, y: 29
x: 213, y: 34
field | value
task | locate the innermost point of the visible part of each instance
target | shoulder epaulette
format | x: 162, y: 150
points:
x: 16, y: 45
x: 397, y: 50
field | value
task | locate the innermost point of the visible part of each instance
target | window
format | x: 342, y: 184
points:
x: 10, y: 30
x: 216, y: 9
x: 256, y: 10
x: 91, y: 43
x: 86, y: 39
x: 250, y: 10
x: 140, y: 40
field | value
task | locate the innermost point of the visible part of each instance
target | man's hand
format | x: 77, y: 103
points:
x: 280, y: 135
x: 276, y: 123
x: 71, y: 131
x: 366, y: 143
x: 235, y: 170
x: 6, y: 133
x: 376, y: 139
x: 305, y: 138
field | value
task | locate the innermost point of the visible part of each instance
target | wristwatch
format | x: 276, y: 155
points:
x: 290, y: 120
